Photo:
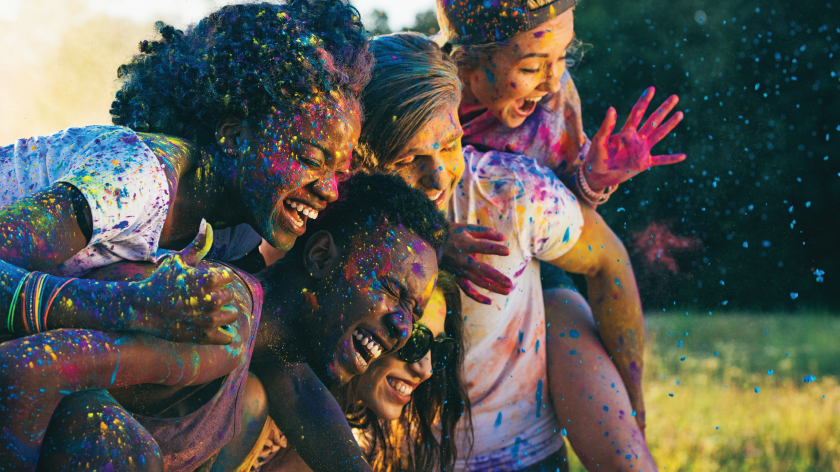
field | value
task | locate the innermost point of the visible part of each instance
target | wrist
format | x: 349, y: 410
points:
x: 90, y: 304
x: 595, y: 181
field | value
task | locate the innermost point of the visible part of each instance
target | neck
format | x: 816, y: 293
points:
x: 470, y: 107
x: 206, y: 191
x: 284, y: 307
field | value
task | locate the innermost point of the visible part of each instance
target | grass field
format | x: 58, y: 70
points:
x: 716, y: 421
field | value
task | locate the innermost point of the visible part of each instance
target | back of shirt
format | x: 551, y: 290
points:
x: 505, y: 365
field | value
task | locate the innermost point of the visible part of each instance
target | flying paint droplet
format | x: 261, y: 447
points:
x: 574, y: 334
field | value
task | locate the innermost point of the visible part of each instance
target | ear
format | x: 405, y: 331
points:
x: 230, y: 132
x: 321, y: 255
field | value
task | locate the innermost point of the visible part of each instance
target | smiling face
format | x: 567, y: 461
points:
x: 433, y: 161
x: 512, y: 82
x: 287, y: 172
x: 387, y: 385
x: 367, y: 309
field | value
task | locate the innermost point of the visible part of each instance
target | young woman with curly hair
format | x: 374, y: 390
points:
x: 247, y: 118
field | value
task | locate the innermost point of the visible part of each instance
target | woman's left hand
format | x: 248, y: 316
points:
x: 613, y: 159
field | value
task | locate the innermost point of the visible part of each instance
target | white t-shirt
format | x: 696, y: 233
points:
x: 505, y: 366
x: 124, y: 184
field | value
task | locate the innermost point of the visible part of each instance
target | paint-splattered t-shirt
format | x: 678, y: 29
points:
x: 505, y: 365
x: 552, y: 135
x: 124, y: 184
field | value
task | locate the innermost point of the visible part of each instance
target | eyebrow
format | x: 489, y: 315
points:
x: 545, y: 56
x: 319, y: 146
x: 448, y: 140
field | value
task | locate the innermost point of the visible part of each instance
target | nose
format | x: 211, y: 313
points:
x: 435, y: 176
x: 399, y: 327
x: 423, y: 367
x: 326, y: 188
x: 554, y: 71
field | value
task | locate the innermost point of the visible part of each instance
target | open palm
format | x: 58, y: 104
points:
x: 615, y: 158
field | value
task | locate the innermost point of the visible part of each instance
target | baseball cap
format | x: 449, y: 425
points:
x: 473, y: 22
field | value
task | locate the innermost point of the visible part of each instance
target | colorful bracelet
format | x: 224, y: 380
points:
x: 587, y: 193
x: 10, y: 320
x: 52, y: 297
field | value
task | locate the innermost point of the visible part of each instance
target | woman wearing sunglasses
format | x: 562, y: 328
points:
x: 405, y: 407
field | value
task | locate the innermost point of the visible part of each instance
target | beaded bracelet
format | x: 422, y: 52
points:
x: 587, y: 193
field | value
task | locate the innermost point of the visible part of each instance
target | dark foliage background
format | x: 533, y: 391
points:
x: 748, y: 221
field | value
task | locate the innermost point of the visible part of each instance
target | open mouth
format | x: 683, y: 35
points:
x: 526, y: 106
x: 298, y: 212
x: 438, y: 198
x: 403, y: 390
x: 367, y: 347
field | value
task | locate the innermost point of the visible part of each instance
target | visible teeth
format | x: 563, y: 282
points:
x: 373, y: 348
x: 361, y: 361
x: 402, y: 387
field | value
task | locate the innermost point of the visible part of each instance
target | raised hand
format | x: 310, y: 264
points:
x: 183, y: 302
x: 613, y: 159
x: 465, y: 241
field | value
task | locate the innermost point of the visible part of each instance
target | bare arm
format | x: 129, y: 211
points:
x: 614, y: 298
x: 38, y: 371
x: 177, y: 300
x: 310, y: 418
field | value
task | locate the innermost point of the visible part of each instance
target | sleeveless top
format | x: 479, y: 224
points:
x: 188, y: 441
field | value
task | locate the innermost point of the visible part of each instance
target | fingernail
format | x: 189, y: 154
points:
x: 202, y: 227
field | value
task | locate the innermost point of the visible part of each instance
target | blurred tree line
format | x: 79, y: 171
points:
x: 745, y: 222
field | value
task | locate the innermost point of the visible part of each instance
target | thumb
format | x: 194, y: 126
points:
x: 200, y: 246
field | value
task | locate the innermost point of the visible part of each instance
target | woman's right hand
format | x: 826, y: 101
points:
x: 183, y: 302
x: 466, y: 240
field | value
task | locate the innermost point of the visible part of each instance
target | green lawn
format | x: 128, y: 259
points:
x: 716, y: 421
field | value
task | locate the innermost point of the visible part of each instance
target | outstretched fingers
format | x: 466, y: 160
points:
x: 666, y: 159
x: 639, y: 109
x: 657, y: 117
x: 659, y: 133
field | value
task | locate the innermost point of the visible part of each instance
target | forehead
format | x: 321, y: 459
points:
x: 557, y: 32
x: 443, y: 126
x: 392, y: 251
x: 330, y: 118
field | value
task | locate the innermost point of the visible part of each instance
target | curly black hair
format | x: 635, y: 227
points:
x: 241, y: 61
x: 366, y: 202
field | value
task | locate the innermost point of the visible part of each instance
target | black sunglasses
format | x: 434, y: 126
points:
x: 422, y: 341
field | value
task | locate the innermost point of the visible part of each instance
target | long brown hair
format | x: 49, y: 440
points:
x: 409, y: 443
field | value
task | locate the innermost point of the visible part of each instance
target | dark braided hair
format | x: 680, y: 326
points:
x: 241, y: 61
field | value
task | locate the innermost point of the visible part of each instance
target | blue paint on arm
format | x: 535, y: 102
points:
x: 116, y: 368
x: 539, y: 397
